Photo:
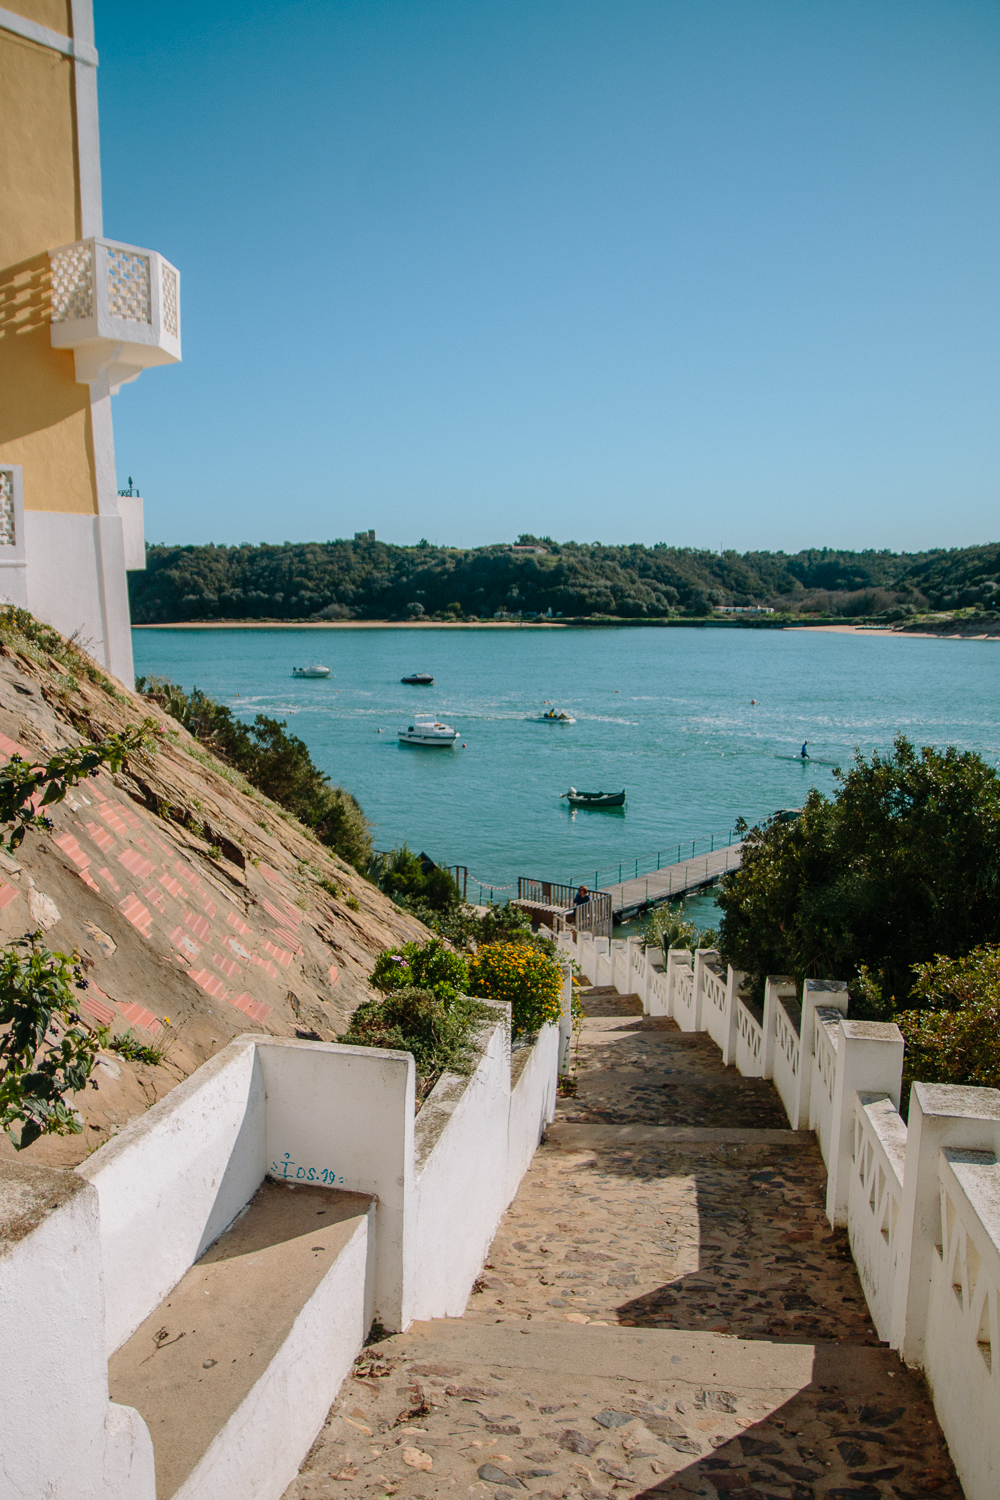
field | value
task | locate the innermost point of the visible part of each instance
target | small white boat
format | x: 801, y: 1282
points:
x: 316, y: 670
x: 553, y: 718
x: 427, y: 730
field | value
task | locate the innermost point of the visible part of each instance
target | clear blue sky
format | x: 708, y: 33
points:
x: 711, y: 272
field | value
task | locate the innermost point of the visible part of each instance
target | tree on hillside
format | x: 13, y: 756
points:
x: 901, y: 865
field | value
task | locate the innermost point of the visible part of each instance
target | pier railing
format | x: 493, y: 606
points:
x: 648, y: 864
x: 554, y: 904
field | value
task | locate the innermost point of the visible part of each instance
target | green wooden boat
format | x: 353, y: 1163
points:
x: 594, y: 799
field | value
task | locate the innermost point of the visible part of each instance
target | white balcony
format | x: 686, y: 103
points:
x: 117, y: 307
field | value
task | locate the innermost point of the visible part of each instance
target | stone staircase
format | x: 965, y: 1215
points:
x: 665, y: 1310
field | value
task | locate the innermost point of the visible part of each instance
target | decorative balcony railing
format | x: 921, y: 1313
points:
x: 117, y: 307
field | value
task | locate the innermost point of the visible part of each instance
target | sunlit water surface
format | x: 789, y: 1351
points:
x: 666, y: 714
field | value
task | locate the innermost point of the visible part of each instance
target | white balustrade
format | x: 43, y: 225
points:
x: 921, y: 1205
x: 684, y: 992
x: 824, y: 1076
x: 875, y: 1202
x: 749, y: 1042
x: 962, y: 1358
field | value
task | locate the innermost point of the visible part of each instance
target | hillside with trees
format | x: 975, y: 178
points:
x: 367, y: 579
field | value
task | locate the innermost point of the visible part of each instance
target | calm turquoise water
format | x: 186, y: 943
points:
x: 666, y: 714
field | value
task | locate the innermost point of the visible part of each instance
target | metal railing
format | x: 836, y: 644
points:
x: 686, y: 849
x: 593, y: 915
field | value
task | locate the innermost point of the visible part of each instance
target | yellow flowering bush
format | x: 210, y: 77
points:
x: 522, y: 975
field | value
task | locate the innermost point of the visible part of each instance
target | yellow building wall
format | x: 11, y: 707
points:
x: 44, y: 414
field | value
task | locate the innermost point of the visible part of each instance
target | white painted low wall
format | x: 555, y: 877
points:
x: 257, y: 1453
x: 921, y: 1204
x: 59, y: 1433
x: 532, y: 1108
x: 131, y: 1221
x: 344, y: 1117
x: 174, y: 1180
x: 461, y: 1178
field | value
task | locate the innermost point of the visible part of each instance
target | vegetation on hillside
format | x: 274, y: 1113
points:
x: 440, y: 1034
x: 376, y: 580
x: 275, y: 762
x: 46, y: 1051
x: 954, y: 1037
x: 901, y: 865
x: 415, y: 883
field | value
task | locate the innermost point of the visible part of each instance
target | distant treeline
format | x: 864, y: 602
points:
x: 369, y: 580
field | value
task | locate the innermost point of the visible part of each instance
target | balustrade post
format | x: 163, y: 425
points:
x: 940, y: 1114
x: 776, y: 986
x: 675, y: 960
x: 701, y: 959
x: 869, y: 1061
x: 831, y: 993
x: 733, y: 980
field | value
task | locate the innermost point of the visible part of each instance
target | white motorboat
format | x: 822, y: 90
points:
x: 427, y: 730
x: 553, y: 718
x: 316, y: 670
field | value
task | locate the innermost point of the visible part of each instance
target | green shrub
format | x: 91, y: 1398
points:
x: 668, y: 927
x: 428, y: 966
x: 955, y: 1035
x: 518, y: 973
x: 408, y: 877
x: 439, y: 1033
x: 45, y: 1051
x: 469, y: 928
x: 902, y: 864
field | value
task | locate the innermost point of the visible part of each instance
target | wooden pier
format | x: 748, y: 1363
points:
x: 631, y: 897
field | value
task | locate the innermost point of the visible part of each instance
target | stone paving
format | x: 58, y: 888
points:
x: 665, y: 1310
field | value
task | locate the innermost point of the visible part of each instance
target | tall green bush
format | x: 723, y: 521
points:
x: 954, y: 1035
x: 903, y: 863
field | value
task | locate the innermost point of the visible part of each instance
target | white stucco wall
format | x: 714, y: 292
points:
x: 59, y: 1434
x: 348, y: 1112
x: 174, y: 1180
x: 460, y: 1182
x: 75, y: 580
x: 532, y: 1107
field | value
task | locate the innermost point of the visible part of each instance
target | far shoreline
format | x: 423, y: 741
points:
x: 873, y: 631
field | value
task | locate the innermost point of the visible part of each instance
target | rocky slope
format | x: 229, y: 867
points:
x: 200, y: 908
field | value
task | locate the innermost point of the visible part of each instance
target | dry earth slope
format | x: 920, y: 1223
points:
x: 198, y: 902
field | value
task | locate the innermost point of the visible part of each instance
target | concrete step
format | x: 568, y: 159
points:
x: 204, y: 1356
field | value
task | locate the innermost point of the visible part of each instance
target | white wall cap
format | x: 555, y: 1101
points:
x: 952, y: 1101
